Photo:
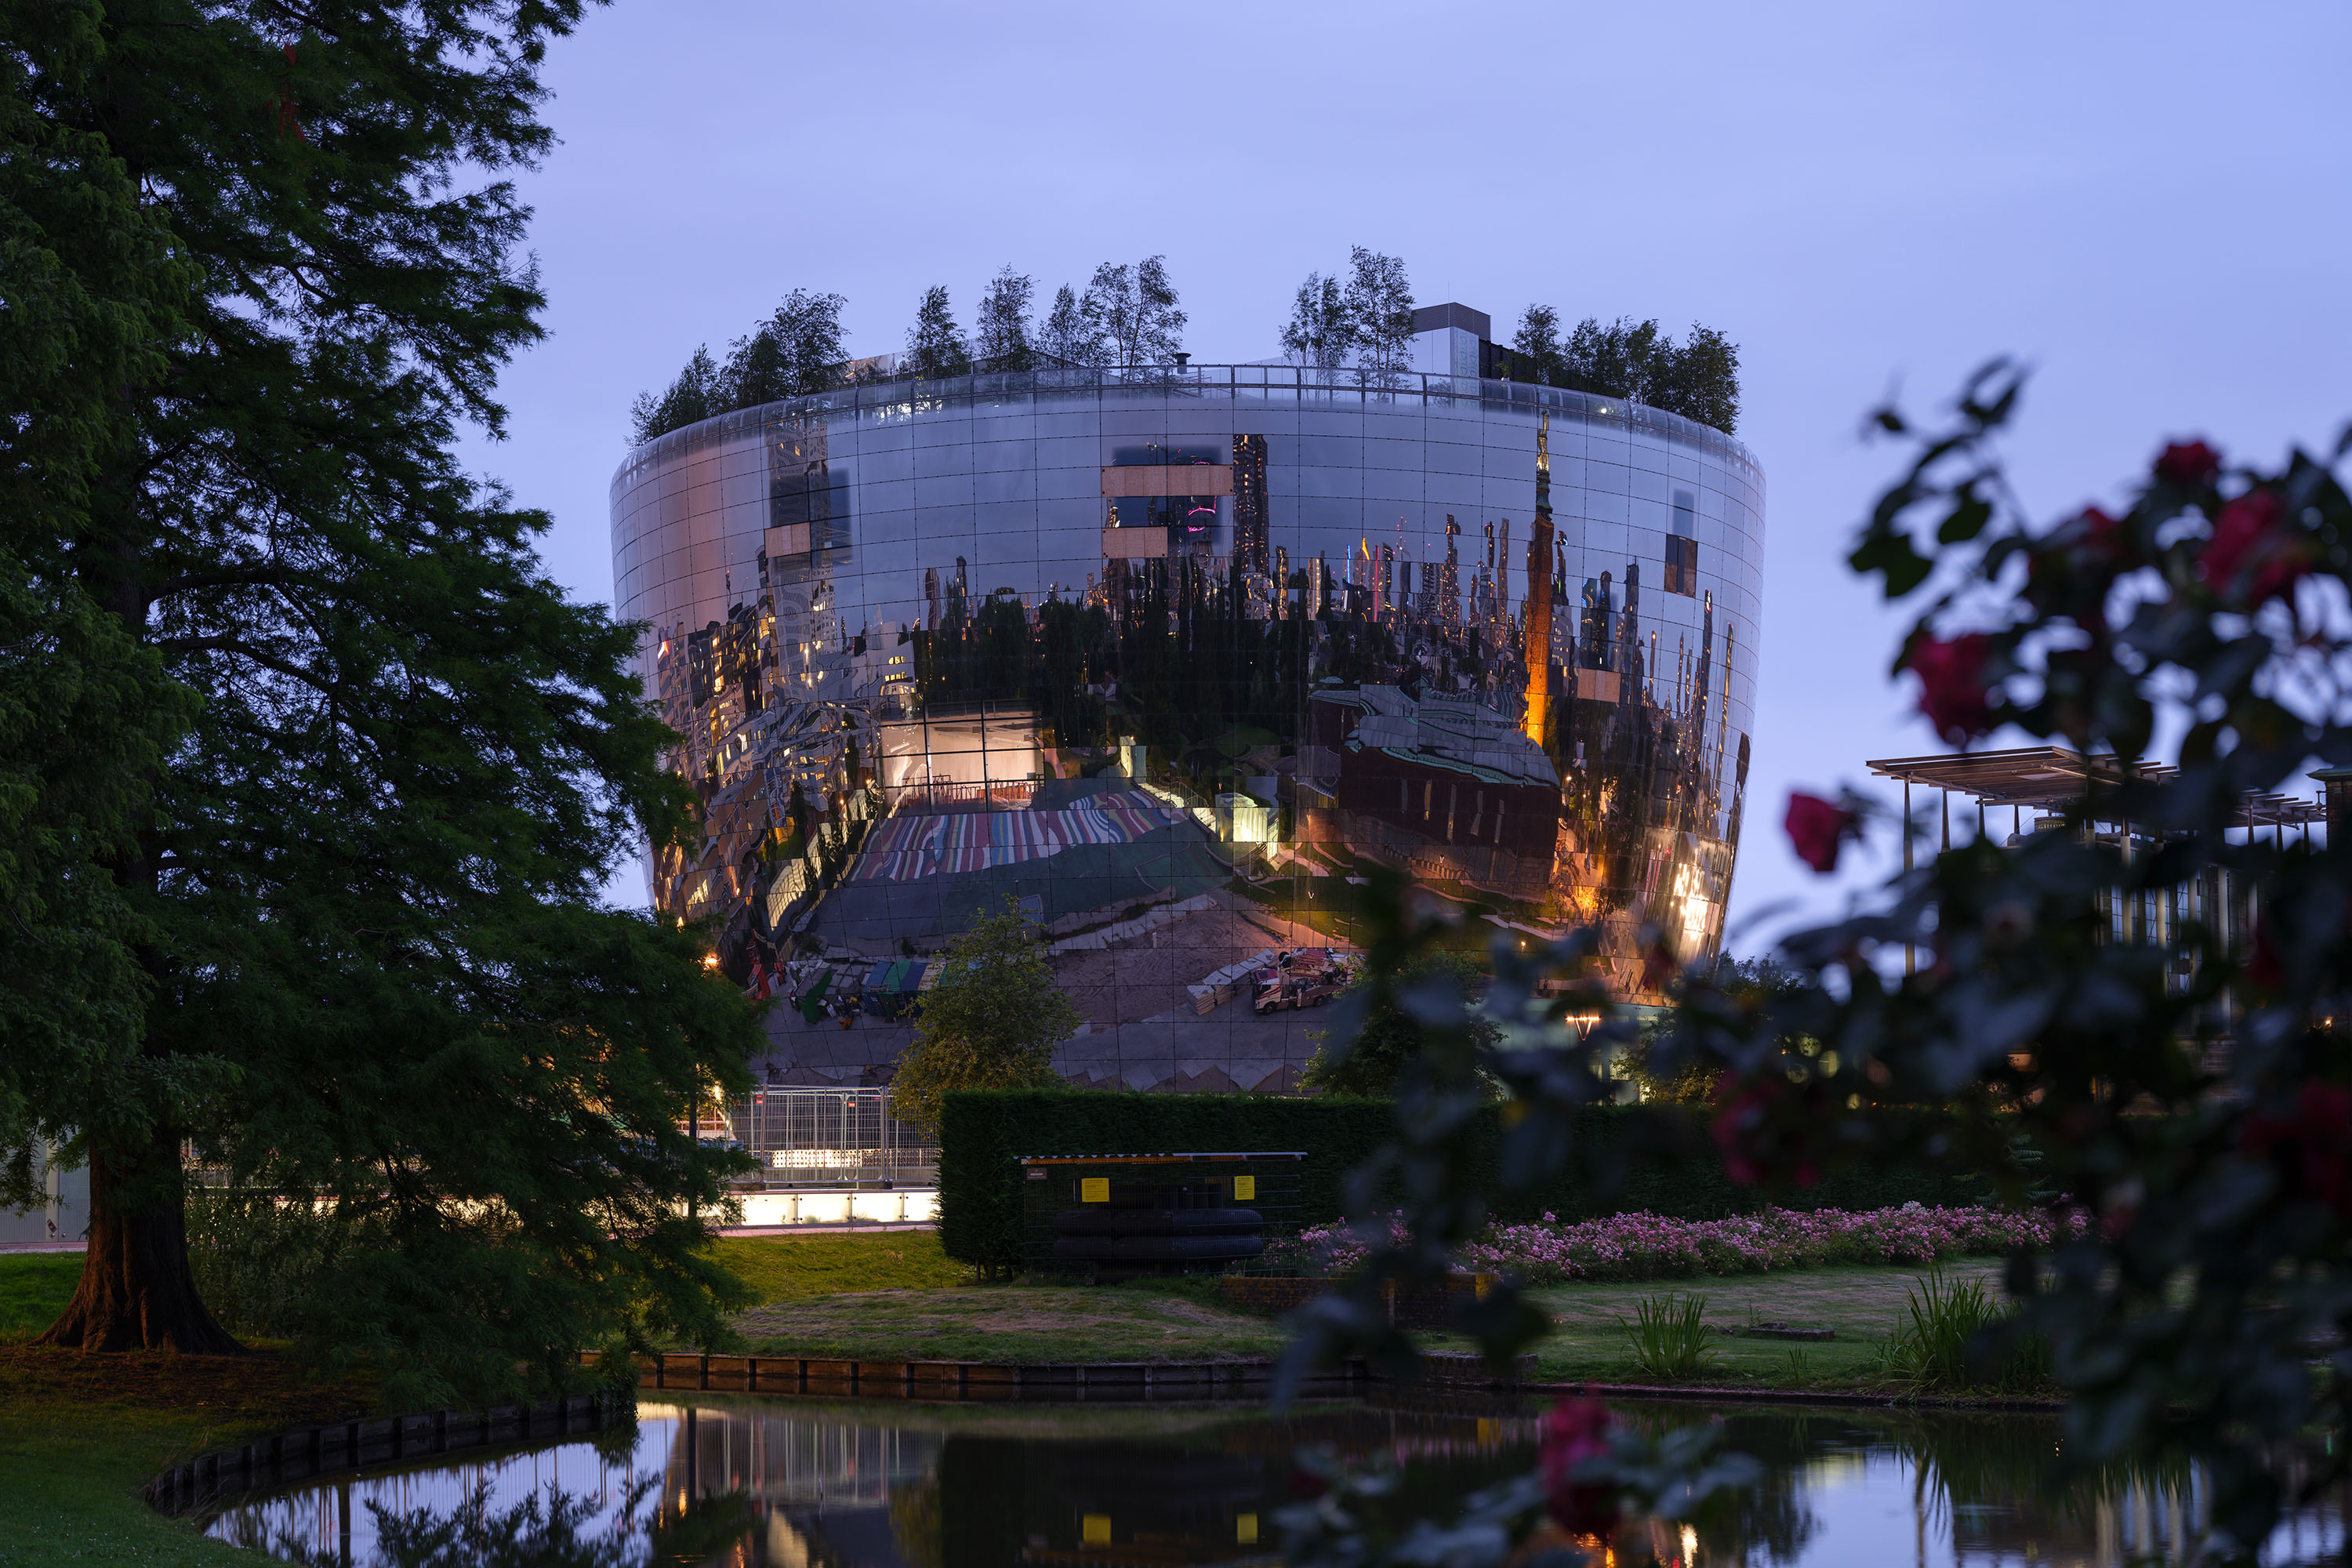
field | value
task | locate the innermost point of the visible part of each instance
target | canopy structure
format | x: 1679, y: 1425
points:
x: 2057, y: 777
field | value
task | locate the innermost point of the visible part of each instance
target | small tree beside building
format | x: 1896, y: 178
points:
x: 991, y: 1022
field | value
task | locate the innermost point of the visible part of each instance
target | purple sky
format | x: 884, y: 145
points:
x: 2147, y: 203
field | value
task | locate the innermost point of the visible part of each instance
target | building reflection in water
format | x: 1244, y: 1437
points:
x: 748, y: 1482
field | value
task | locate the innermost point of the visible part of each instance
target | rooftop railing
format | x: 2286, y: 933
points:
x: 1300, y: 385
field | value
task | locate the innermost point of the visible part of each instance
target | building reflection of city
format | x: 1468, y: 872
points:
x: 766, y: 1482
x: 1214, y: 632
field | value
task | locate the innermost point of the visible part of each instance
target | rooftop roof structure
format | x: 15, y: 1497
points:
x: 2059, y: 776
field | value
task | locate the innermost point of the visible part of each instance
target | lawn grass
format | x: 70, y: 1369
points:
x: 789, y: 1269
x: 1012, y: 1323
x: 1183, y: 1322
x: 80, y: 1435
x: 1861, y: 1303
x: 34, y: 1288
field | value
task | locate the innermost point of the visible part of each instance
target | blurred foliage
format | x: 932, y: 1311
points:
x: 1369, y: 1062
x: 2185, y: 1084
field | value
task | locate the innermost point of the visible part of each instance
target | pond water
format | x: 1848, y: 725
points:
x: 743, y: 1481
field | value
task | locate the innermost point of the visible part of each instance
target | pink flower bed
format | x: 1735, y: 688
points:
x: 1651, y: 1246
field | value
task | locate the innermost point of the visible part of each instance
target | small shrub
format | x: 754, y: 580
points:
x: 1954, y: 1337
x: 1669, y: 1335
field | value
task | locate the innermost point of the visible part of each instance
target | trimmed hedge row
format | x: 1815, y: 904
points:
x: 1666, y: 1170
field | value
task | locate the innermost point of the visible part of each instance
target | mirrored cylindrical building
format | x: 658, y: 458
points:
x: 1198, y: 638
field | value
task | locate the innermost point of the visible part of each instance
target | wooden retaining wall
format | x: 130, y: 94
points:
x: 999, y: 1381
x: 309, y: 1451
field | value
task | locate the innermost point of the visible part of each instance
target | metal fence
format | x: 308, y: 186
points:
x: 828, y: 1138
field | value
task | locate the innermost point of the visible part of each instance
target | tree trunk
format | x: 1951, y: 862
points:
x: 137, y: 1291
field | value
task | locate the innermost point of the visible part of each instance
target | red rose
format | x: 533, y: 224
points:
x: 1952, y: 686
x: 1817, y: 829
x: 1575, y: 1430
x: 2190, y: 463
x: 2250, y: 539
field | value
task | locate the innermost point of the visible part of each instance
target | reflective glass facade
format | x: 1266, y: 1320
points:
x: 1170, y: 656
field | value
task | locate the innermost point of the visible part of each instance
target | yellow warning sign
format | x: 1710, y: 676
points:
x: 1245, y: 1527
x: 1094, y: 1190
x: 1245, y: 1189
x: 1094, y: 1529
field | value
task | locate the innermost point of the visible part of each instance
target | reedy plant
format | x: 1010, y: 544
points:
x: 1669, y: 1335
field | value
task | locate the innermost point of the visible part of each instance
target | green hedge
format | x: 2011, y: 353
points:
x: 982, y: 1133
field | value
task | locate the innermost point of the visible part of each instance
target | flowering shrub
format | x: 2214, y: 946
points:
x: 1652, y: 1246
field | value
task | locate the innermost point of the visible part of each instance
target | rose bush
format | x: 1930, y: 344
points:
x: 1653, y: 1247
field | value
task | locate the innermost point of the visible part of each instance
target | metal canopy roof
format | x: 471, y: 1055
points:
x: 2058, y: 777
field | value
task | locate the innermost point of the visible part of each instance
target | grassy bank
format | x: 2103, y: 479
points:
x: 79, y: 1436
x: 1184, y: 1321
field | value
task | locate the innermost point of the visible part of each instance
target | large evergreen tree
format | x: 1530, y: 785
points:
x: 351, y: 944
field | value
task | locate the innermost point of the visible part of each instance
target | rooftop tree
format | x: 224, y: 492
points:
x: 368, y: 766
x: 795, y: 352
x: 1067, y: 333
x: 935, y: 347
x: 1380, y: 314
x: 1001, y: 335
x: 1134, y: 309
x: 700, y: 391
x: 1318, y: 333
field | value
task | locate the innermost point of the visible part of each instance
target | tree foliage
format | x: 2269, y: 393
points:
x: 935, y: 346
x: 1697, y: 378
x: 1000, y: 338
x: 1134, y: 307
x: 795, y: 352
x: 2186, y: 1086
x: 991, y: 1022
x: 1069, y: 335
x: 360, y: 880
x: 1536, y: 342
x: 94, y: 284
x: 1318, y: 333
x: 1380, y: 314
x: 699, y: 393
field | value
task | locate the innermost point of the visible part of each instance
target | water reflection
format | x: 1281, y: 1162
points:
x: 743, y: 1482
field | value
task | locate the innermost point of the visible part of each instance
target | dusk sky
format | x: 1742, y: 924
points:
x: 2150, y: 204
